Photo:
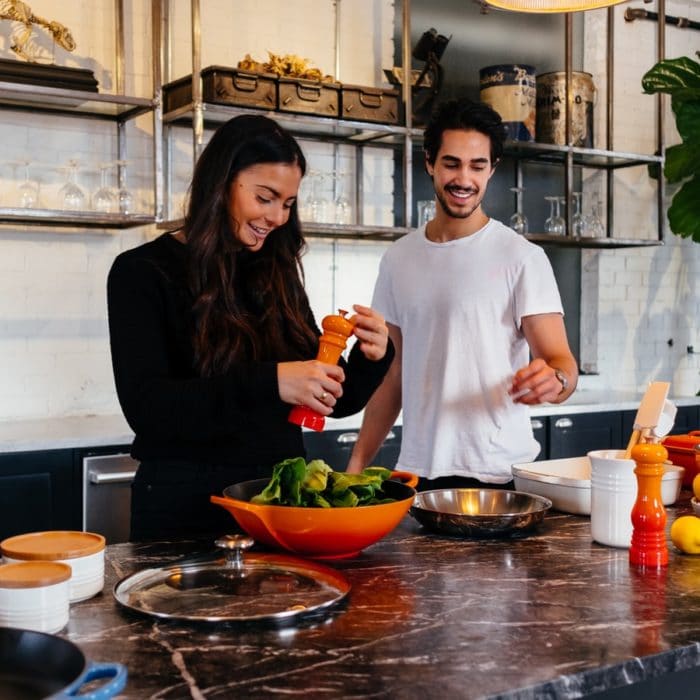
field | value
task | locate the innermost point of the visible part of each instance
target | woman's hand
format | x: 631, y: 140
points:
x: 314, y: 384
x: 371, y: 331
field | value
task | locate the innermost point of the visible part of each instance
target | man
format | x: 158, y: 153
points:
x: 467, y: 302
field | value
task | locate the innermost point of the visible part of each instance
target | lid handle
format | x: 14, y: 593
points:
x: 234, y: 545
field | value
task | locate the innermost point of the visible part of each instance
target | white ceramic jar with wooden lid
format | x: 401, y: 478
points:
x: 34, y: 595
x: 82, y: 551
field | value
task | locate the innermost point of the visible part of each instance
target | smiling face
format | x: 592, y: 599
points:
x: 260, y: 200
x: 460, y: 175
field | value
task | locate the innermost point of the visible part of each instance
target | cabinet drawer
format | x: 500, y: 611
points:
x: 335, y: 447
x: 39, y: 491
x: 575, y: 435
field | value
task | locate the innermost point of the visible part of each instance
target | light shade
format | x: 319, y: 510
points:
x: 551, y: 5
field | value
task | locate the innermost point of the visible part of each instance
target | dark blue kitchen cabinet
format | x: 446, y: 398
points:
x: 335, y: 447
x: 540, y: 430
x: 576, y: 434
x: 39, y: 491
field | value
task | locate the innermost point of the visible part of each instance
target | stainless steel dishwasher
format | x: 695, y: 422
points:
x: 107, y: 494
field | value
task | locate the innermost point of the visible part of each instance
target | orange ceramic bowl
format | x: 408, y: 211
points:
x: 321, y: 533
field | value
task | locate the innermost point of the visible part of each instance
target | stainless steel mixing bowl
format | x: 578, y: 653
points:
x: 478, y: 512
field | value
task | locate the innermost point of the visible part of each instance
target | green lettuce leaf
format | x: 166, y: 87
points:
x: 296, y: 483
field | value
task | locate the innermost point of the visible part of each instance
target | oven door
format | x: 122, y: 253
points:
x: 107, y: 495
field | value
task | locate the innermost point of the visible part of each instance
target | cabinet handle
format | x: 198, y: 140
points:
x: 347, y: 438
x: 536, y: 424
x: 563, y: 423
x: 110, y: 477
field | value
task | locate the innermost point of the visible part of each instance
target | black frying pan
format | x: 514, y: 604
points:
x: 35, y: 665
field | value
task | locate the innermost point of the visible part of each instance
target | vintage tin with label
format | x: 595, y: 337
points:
x: 510, y: 90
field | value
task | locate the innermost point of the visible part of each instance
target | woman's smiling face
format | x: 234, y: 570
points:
x: 260, y: 200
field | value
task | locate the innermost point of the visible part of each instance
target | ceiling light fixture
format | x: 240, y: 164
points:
x: 551, y: 5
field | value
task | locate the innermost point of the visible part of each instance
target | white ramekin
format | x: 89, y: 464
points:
x: 82, y: 551
x: 34, y: 595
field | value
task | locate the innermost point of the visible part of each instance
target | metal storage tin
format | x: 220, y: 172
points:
x: 228, y: 86
x: 369, y: 104
x: 309, y: 97
x: 510, y: 90
x: 551, y: 118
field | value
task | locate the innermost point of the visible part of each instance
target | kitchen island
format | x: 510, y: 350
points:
x: 550, y: 615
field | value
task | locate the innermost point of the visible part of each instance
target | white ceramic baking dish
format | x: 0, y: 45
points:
x: 567, y: 483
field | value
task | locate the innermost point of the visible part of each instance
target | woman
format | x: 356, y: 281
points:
x: 213, y: 340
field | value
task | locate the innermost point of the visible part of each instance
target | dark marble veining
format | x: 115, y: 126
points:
x: 550, y: 615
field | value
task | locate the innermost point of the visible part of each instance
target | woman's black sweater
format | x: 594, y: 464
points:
x: 235, y: 420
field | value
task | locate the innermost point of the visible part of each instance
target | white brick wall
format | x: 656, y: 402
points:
x: 646, y: 296
x: 54, y: 354
x: 54, y: 349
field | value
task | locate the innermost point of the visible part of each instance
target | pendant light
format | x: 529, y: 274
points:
x: 550, y: 6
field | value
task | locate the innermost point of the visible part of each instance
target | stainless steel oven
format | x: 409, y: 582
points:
x: 107, y: 494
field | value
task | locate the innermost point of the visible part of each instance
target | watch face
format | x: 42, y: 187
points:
x: 562, y: 379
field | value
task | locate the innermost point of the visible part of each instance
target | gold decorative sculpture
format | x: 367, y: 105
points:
x: 17, y: 11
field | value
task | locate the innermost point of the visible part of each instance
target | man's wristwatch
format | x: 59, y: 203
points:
x: 563, y: 380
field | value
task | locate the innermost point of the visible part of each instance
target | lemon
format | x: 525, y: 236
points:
x: 696, y: 486
x: 685, y: 534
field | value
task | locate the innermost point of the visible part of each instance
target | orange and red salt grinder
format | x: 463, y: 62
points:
x: 336, y: 331
x: 648, y: 547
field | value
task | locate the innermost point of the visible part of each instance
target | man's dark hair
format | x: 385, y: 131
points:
x: 464, y: 114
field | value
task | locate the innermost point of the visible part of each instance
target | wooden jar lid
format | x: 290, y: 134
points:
x: 51, y: 545
x: 33, y: 574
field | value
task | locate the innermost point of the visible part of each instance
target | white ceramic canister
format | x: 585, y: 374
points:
x: 613, y: 494
x: 34, y: 595
x: 82, y: 551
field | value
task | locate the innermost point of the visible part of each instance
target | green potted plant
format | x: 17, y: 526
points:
x: 680, y: 78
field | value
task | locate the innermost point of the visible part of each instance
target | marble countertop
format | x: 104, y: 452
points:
x: 550, y: 615
x: 102, y: 430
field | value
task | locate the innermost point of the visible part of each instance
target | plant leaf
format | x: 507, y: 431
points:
x: 684, y: 212
x: 687, y: 113
x: 681, y: 161
x: 673, y: 75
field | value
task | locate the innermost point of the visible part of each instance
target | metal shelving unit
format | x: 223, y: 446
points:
x: 608, y: 160
x: 199, y: 115
x: 116, y: 108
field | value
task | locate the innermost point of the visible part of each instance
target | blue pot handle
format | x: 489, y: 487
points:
x: 115, y: 672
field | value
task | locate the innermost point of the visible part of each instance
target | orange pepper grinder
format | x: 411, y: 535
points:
x: 336, y: 331
x: 648, y: 547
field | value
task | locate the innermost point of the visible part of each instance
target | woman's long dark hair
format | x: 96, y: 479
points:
x: 247, y: 306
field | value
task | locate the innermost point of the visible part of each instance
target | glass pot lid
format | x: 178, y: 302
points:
x: 255, y: 587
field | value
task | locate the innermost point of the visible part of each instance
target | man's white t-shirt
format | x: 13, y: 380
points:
x: 459, y: 306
